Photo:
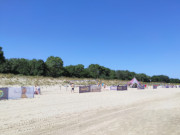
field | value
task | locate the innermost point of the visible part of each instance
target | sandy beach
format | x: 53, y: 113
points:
x: 60, y: 112
x: 107, y: 67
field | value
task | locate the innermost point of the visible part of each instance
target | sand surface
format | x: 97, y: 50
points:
x: 59, y: 112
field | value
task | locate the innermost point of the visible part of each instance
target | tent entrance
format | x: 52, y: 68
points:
x: 134, y: 85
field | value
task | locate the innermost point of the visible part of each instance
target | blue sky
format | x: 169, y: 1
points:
x: 137, y: 35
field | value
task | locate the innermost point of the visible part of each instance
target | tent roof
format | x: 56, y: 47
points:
x: 133, y: 81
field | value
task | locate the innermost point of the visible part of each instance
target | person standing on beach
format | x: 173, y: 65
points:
x: 98, y: 84
x: 104, y: 86
x: 36, y: 90
x: 72, y: 85
x: 39, y: 90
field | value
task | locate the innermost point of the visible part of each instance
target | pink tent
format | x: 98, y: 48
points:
x: 133, y: 81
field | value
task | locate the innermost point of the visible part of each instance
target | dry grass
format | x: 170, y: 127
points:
x: 19, y: 80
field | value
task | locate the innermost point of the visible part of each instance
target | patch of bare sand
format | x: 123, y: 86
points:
x: 109, y: 112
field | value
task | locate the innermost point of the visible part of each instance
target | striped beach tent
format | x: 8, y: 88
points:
x: 134, y: 81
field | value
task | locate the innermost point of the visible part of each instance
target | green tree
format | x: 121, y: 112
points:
x: 37, y: 67
x: 160, y: 78
x: 13, y: 65
x: 104, y: 72
x: 75, y: 70
x: 2, y: 58
x: 164, y: 78
x: 5, y: 67
x: 143, y: 77
x: 122, y: 75
x: 97, y: 71
x: 23, y: 67
x: 85, y: 73
x: 112, y: 74
x: 19, y: 66
x: 54, y: 66
x: 174, y: 80
x: 155, y: 79
x: 70, y: 71
x: 94, y: 70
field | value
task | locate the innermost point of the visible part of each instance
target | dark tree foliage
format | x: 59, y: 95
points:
x: 125, y: 75
x: 94, y: 70
x: 18, y: 66
x: 160, y: 78
x: 104, y: 72
x: 24, y: 67
x: 85, y: 73
x: 143, y: 77
x: 112, y: 74
x: 174, y: 80
x: 37, y: 67
x: 5, y: 67
x: 2, y: 58
x: 97, y: 71
x: 54, y: 67
x: 3, y: 63
x: 74, y: 71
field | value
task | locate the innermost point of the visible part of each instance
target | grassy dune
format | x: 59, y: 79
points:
x: 18, y: 80
x: 11, y: 80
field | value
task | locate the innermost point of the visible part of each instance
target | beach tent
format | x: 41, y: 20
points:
x: 134, y: 81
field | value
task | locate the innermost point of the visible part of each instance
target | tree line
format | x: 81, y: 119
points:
x: 53, y: 67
